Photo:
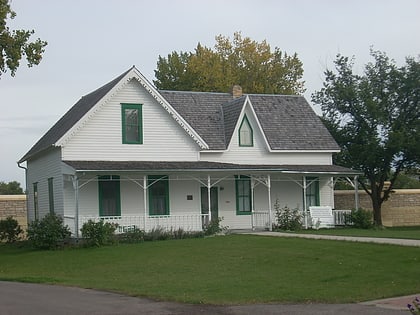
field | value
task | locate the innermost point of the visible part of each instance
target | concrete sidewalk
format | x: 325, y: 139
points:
x: 391, y: 241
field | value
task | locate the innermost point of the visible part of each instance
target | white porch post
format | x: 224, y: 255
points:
x: 209, y: 196
x: 270, y: 215
x: 252, y: 202
x: 356, y: 192
x: 145, y: 200
x: 76, y: 197
x: 305, y: 215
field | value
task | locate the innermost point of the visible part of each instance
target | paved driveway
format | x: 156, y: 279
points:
x: 26, y: 298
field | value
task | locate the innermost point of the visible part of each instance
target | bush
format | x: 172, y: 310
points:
x: 288, y: 219
x: 214, y: 227
x: 360, y: 218
x: 132, y: 236
x: 10, y: 230
x: 157, y: 234
x: 98, y: 233
x: 48, y: 233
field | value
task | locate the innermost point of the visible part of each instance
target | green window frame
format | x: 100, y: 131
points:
x: 158, y: 194
x: 312, y: 192
x: 132, y: 123
x: 243, y: 195
x: 109, y: 196
x: 246, y: 134
x: 36, y: 199
x: 51, y: 194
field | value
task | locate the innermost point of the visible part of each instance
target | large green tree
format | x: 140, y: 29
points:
x: 252, y: 65
x: 11, y: 188
x: 375, y: 118
x: 16, y: 44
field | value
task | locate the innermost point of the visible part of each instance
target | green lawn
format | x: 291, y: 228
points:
x: 391, y: 232
x: 227, y: 269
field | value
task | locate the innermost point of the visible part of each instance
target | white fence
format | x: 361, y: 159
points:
x: 187, y: 222
x: 261, y: 219
x: 340, y: 217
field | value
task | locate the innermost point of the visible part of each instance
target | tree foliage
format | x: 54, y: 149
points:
x: 375, y: 118
x: 11, y: 188
x: 243, y: 61
x: 15, y: 44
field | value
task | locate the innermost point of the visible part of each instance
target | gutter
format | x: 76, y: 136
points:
x: 26, y: 189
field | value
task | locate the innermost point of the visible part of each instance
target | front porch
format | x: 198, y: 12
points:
x: 260, y: 220
x: 186, y: 197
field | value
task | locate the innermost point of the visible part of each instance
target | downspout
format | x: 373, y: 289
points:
x: 305, y: 215
x: 145, y: 200
x: 209, y: 196
x: 356, y: 192
x: 76, y: 197
x: 26, y: 190
x: 269, y: 203
x: 252, y: 203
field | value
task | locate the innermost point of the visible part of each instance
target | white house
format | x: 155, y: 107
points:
x: 130, y: 154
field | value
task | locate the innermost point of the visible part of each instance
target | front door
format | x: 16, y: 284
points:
x: 214, y: 202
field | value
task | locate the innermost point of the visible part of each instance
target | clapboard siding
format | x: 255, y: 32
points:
x: 100, y: 136
x: 39, y: 171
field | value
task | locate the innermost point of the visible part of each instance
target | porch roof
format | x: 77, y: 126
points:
x: 196, y: 166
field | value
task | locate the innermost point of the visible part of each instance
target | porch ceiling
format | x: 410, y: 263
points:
x: 205, y: 166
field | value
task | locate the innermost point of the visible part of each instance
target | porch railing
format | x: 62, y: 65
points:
x: 261, y: 219
x: 126, y: 223
x: 340, y: 217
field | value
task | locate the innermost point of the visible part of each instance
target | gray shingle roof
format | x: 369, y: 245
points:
x: 288, y: 122
x: 146, y: 166
x: 70, y: 118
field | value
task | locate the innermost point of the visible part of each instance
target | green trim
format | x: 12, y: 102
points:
x: 246, y: 121
x: 310, y: 193
x: 35, y: 187
x: 138, y: 125
x: 163, y: 180
x: 242, y: 192
x: 109, y: 180
x: 51, y: 194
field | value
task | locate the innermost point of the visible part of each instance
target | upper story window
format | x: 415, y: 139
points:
x: 132, y: 123
x: 246, y: 134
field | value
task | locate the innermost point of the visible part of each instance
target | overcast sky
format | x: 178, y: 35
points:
x: 90, y: 42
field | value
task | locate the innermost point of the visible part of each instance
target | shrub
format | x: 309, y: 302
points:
x: 214, y: 227
x: 10, y: 230
x: 157, y: 234
x: 132, y: 236
x: 98, y: 233
x: 48, y: 233
x: 288, y: 219
x: 360, y: 218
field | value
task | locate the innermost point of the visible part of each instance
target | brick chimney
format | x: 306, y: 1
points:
x: 236, y: 91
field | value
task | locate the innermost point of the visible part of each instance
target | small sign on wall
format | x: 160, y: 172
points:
x: 189, y: 197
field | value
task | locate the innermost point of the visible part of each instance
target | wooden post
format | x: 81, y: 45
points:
x: 270, y: 215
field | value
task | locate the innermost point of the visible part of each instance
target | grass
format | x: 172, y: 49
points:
x: 227, y: 270
x: 390, y: 232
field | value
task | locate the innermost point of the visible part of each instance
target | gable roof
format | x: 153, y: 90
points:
x: 71, y: 117
x: 288, y: 122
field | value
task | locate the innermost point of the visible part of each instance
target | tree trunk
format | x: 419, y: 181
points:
x: 376, y: 205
